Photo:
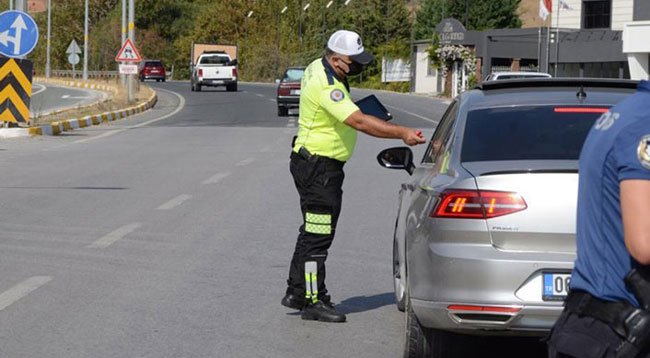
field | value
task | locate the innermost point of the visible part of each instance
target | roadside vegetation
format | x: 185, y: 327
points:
x: 269, y: 40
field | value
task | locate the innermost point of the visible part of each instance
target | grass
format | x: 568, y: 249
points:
x: 116, y: 100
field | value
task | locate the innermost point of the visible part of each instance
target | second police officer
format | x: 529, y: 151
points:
x: 327, y: 133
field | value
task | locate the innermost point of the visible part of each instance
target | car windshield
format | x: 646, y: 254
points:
x: 214, y: 60
x: 527, y: 133
x: 293, y: 75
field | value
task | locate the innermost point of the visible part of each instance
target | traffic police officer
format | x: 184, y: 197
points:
x: 327, y: 133
x: 604, y: 315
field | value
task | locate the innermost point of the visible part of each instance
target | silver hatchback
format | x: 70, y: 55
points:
x: 484, y: 240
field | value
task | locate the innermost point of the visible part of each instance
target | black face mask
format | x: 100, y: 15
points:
x: 355, y: 68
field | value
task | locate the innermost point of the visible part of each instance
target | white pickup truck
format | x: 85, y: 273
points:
x: 214, y: 69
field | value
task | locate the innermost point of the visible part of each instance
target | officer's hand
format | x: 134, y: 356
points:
x: 413, y: 137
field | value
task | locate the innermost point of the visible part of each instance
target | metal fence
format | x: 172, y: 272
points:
x: 91, y: 74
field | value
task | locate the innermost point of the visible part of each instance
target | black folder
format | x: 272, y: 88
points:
x: 371, y: 105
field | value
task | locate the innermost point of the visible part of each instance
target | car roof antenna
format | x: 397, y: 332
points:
x: 581, y: 94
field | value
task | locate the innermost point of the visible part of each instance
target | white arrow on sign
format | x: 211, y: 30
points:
x: 73, y: 48
x: 19, y: 25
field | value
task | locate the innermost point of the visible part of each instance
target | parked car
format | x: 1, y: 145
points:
x: 514, y: 75
x: 484, y: 241
x: 152, y: 70
x: 288, y: 92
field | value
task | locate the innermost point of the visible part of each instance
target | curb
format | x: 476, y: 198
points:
x: 56, y: 128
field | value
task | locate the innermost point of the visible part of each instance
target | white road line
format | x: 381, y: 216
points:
x: 21, y: 290
x: 216, y: 178
x: 114, y: 236
x: 414, y: 114
x: 272, y: 100
x: 181, y: 105
x: 259, y: 95
x: 174, y: 202
x: 245, y: 162
x: 43, y: 88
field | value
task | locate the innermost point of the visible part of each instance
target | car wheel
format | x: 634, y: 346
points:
x: 231, y: 87
x: 283, y: 111
x: 420, y: 341
x: 198, y: 87
x: 192, y: 86
x: 163, y: 80
x: 399, y: 282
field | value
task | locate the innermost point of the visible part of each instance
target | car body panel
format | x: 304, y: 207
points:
x: 288, y: 90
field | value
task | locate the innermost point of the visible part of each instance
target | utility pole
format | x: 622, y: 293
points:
x: 123, y: 77
x: 132, y: 38
x: 85, y: 72
x: 21, y: 5
x: 49, y: 32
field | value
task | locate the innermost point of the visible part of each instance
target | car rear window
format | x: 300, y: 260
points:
x: 527, y: 133
x: 214, y: 60
x: 293, y: 75
x: 153, y: 64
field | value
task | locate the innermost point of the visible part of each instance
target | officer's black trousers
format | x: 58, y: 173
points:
x: 576, y: 336
x: 319, y: 181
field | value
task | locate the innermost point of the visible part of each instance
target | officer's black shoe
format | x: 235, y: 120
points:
x: 293, y: 301
x: 321, y: 311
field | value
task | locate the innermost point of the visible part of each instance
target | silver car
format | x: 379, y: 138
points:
x: 484, y: 240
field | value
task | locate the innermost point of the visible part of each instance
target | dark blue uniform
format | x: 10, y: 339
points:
x: 616, y: 149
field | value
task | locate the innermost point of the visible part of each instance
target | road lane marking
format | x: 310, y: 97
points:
x: 272, y: 100
x: 174, y: 202
x: 259, y: 95
x: 114, y: 236
x: 216, y: 178
x: 43, y: 88
x: 180, y: 107
x: 414, y: 114
x: 245, y: 162
x: 21, y: 290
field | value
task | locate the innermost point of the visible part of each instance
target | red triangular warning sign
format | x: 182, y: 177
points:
x: 128, y: 53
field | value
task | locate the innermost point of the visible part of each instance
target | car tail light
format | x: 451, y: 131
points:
x: 477, y: 204
x: 580, y: 110
x: 234, y: 72
x: 200, y: 72
x: 283, y: 91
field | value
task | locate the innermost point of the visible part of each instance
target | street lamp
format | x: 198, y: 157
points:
x: 250, y: 13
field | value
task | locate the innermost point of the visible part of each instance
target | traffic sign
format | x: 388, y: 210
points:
x: 73, y: 58
x: 18, y: 33
x: 73, y: 48
x: 15, y: 89
x: 128, y: 53
x: 128, y: 69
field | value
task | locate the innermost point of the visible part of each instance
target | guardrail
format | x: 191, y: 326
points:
x: 91, y: 74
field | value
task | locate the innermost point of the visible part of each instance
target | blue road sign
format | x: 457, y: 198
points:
x: 18, y: 33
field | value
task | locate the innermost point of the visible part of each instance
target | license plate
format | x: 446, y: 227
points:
x: 295, y: 92
x: 217, y: 82
x: 555, y: 286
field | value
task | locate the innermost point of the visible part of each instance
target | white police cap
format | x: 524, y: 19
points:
x: 349, y: 43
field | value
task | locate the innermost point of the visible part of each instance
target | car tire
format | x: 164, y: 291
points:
x: 192, y: 86
x: 198, y: 87
x: 399, y: 283
x: 231, y: 87
x: 283, y: 111
x: 420, y: 341
x: 163, y: 80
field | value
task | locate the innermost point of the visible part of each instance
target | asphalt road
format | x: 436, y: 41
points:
x: 170, y: 234
x: 48, y: 98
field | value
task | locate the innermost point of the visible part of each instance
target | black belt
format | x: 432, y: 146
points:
x: 330, y: 163
x: 612, y: 313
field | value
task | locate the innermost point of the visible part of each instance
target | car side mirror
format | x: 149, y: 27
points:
x: 233, y: 63
x: 397, y: 158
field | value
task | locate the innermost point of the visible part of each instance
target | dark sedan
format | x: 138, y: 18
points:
x: 288, y: 93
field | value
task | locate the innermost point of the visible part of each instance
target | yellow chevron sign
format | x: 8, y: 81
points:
x: 15, y: 89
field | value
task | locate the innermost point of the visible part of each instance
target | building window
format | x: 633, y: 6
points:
x: 596, y: 14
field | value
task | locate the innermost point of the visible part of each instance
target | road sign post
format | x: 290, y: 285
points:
x: 129, y: 54
x: 73, y: 52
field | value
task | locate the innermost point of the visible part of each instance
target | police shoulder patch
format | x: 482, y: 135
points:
x: 643, y: 151
x: 337, y: 95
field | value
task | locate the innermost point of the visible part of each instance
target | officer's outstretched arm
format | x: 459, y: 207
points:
x: 377, y: 128
x: 635, y: 209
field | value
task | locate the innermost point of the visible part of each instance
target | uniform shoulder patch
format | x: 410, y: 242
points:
x: 643, y: 151
x: 337, y: 95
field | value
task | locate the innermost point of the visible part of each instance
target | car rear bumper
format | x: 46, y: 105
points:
x: 288, y: 100
x: 217, y: 82
x: 449, y: 274
x: 153, y: 77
